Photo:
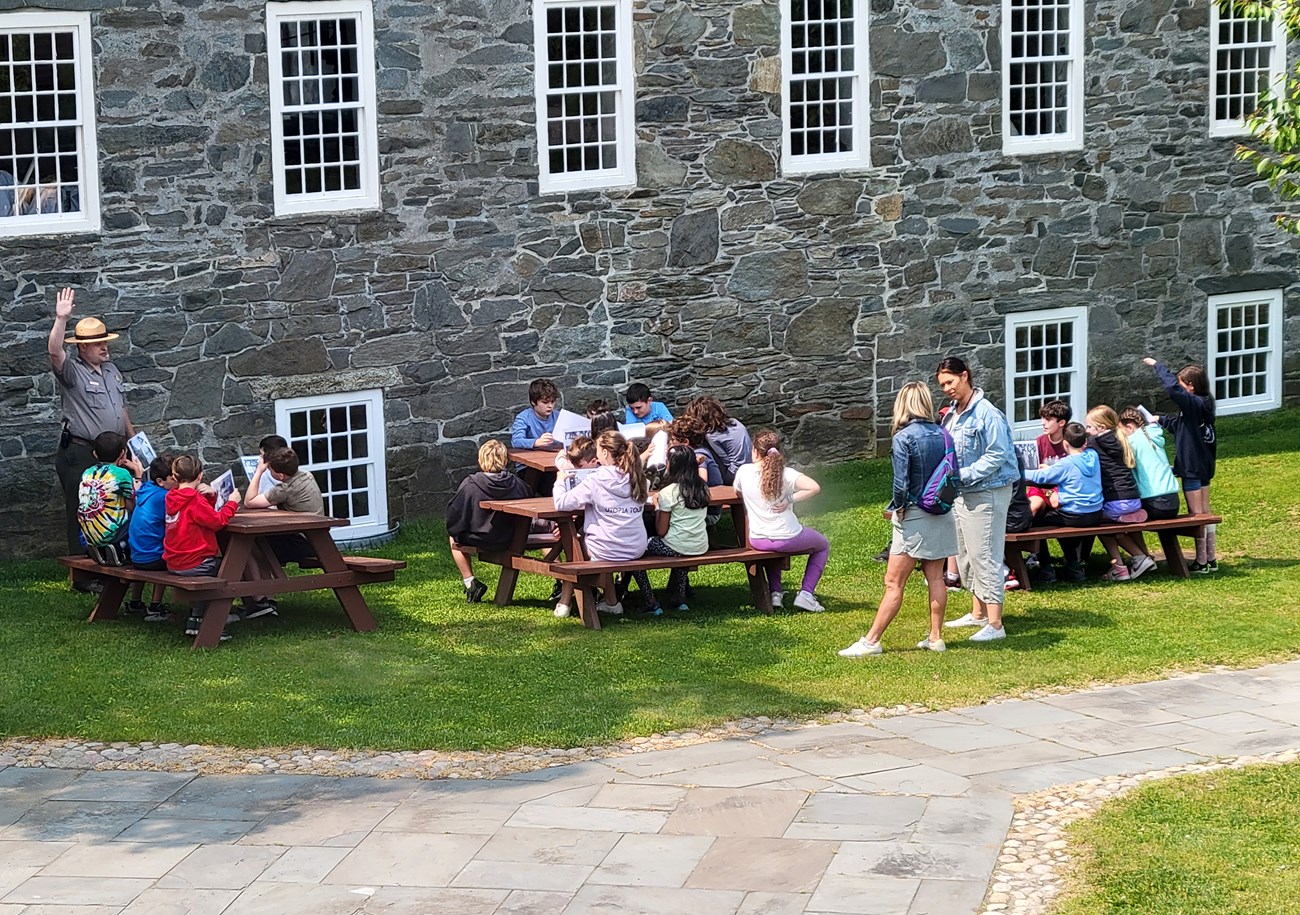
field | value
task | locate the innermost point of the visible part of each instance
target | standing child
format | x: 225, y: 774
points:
x: 680, y: 525
x: 146, y: 534
x: 190, y: 541
x: 770, y: 490
x: 1118, y: 487
x: 612, y: 500
x: 1195, y: 447
x: 469, y: 524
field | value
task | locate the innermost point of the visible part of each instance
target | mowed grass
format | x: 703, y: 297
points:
x: 442, y: 674
x: 1223, y: 843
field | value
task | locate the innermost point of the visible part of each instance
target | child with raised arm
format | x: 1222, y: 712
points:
x: 770, y: 489
x: 469, y: 524
x: 680, y: 525
x: 612, y: 500
x: 190, y: 538
x: 1195, y: 447
x: 1077, y: 498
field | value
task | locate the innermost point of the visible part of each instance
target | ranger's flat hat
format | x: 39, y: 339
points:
x: 90, y: 330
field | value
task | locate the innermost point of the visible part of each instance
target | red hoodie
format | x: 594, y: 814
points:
x: 191, y: 525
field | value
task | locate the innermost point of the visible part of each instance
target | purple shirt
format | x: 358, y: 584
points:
x: 612, y: 520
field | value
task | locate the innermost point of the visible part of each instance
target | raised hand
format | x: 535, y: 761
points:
x: 1149, y: 361
x: 63, y: 304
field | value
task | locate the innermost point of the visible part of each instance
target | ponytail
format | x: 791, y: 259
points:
x: 1104, y: 417
x: 626, y: 460
x: 771, y: 480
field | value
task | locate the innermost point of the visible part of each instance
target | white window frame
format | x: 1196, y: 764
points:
x: 860, y: 155
x: 366, y: 197
x: 1271, y: 398
x: 376, y: 521
x: 1236, y: 127
x: 1078, y: 398
x: 88, y: 219
x: 624, y: 173
x: 1072, y: 139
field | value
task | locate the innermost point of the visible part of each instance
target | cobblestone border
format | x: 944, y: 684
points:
x: 1030, y: 872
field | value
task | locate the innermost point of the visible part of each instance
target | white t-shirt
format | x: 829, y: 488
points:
x: 765, y: 522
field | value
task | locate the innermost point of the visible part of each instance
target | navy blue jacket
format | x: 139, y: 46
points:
x: 1195, y: 445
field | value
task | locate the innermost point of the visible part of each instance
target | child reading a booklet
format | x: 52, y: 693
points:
x: 190, y: 538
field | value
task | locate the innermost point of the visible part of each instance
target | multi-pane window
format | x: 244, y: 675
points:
x: 1245, y: 350
x: 1042, y: 75
x: 339, y: 439
x: 824, y: 66
x: 322, y: 92
x: 584, y: 94
x: 1246, y: 55
x: 49, y: 178
x: 1046, y: 359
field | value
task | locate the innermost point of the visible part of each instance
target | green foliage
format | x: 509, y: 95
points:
x: 442, y: 674
x: 1222, y: 843
x: 1275, y: 124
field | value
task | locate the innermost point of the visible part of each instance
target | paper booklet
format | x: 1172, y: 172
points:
x: 578, y: 476
x: 1028, y: 452
x: 570, y: 425
x: 140, y: 447
x: 249, y: 463
x: 1150, y: 417
x: 224, y: 487
x: 631, y: 430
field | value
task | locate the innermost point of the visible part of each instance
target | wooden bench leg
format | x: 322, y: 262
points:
x: 505, y: 593
x: 586, y: 599
x: 355, y: 606
x: 110, y: 600
x: 214, y: 621
x: 1174, y: 558
x: 758, y: 589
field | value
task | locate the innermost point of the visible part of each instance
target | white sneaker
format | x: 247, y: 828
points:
x: 966, y: 620
x: 562, y: 610
x: 936, y: 645
x: 611, y: 609
x: 1140, y: 565
x: 861, y: 649
x: 778, y: 597
x: 804, y: 600
x: 989, y: 634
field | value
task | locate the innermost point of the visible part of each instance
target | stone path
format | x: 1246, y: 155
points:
x: 899, y: 816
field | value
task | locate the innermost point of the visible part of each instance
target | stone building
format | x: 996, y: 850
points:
x: 341, y: 220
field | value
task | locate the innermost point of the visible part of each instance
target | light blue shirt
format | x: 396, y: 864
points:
x: 1153, y: 474
x: 1077, y: 478
x: 529, y: 427
x: 658, y: 414
x: 981, y: 436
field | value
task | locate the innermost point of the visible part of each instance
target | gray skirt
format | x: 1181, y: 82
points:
x: 922, y: 535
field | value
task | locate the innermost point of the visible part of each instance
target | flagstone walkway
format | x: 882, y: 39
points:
x: 898, y: 816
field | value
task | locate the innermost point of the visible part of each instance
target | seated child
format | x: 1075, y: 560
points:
x: 1157, y: 485
x: 642, y: 408
x: 264, y: 447
x: 727, y: 438
x: 146, y: 535
x: 469, y: 524
x: 580, y: 455
x: 104, y: 500
x: 292, y: 489
x: 612, y: 500
x: 1051, y: 446
x: 190, y: 536
x: 1077, y: 500
x: 680, y: 528
x: 1118, y: 487
x: 534, y: 426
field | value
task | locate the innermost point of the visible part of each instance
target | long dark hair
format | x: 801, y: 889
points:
x: 602, y: 423
x: 685, y: 472
x: 1196, y: 378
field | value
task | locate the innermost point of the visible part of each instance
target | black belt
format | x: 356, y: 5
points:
x: 78, y: 440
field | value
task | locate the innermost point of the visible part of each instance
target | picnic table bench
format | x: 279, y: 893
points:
x: 246, y: 538
x: 1168, y: 529
x: 564, y: 558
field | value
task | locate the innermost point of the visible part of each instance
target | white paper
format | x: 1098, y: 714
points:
x: 249, y: 462
x: 631, y: 430
x: 570, y: 425
x: 578, y: 476
x: 1148, y: 415
x: 140, y: 447
x: 224, y: 487
x: 1028, y: 452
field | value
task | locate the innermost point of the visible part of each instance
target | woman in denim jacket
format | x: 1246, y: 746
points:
x: 918, y: 448
x: 982, y: 438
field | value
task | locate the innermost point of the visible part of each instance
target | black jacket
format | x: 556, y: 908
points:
x: 1195, y: 443
x: 1117, y: 480
x: 469, y: 524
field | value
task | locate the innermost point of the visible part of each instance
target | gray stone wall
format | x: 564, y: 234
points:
x: 803, y: 302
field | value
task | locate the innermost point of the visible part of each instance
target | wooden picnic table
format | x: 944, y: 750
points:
x: 245, y: 539
x: 566, y: 549
x: 537, y: 462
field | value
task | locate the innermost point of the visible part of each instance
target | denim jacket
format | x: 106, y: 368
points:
x: 981, y: 437
x: 917, y: 449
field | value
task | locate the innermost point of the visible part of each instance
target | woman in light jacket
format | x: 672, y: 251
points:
x: 982, y: 438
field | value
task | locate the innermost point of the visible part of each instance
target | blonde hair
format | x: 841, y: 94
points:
x: 1104, y: 417
x: 626, y: 460
x: 771, y: 479
x: 492, y: 456
x: 912, y: 402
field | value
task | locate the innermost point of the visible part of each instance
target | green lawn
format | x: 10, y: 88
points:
x: 441, y: 674
x: 1223, y: 843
